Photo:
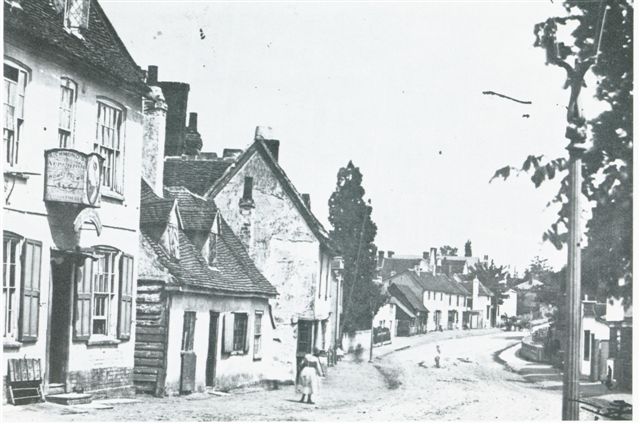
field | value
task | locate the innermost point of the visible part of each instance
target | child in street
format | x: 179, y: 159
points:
x: 437, y: 357
x: 308, y: 383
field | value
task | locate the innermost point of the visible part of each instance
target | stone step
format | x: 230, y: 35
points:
x: 70, y: 398
x: 55, y: 389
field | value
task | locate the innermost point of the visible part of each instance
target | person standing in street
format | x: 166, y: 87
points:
x: 308, y: 382
x: 437, y: 356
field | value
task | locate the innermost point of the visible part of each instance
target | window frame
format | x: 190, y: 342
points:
x: 240, y: 331
x: 114, y: 156
x: 11, y: 145
x: 111, y: 294
x: 12, y: 313
x: 68, y: 133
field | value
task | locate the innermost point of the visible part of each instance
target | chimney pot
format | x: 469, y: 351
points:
x: 380, y: 254
x: 193, y: 121
x: 390, y: 253
x: 263, y: 133
x: 152, y: 75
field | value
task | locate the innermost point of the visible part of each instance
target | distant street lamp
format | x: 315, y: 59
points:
x: 576, y: 132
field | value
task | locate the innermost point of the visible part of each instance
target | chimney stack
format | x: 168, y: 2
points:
x: 433, y: 252
x: 153, y: 130
x: 390, y: 253
x: 193, y: 121
x: 425, y: 255
x: 266, y: 135
x: 307, y: 200
x: 152, y: 75
x: 177, y: 96
x: 380, y: 257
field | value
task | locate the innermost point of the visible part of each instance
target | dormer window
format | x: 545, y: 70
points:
x: 76, y: 15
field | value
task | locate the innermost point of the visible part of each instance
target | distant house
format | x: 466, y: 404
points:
x: 480, y: 305
x: 451, y: 265
x: 509, y: 306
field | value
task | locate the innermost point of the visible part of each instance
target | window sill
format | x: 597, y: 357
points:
x: 109, y: 194
x: 20, y: 174
x: 106, y: 341
x: 11, y: 344
x: 235, y: 353
x: 257, y: 359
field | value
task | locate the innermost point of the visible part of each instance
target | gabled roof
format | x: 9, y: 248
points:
x: 408, y: 297
x: 234, y: 272
x: 101, y: 49
x: 258, y: 147
x: 394, y: 266
x: 196, y: 212
x: 196, y: 175
x: 482, y: 289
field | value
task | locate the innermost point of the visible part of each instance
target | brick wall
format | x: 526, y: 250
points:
x: 104, y: 382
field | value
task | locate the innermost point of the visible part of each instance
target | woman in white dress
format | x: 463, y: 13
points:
x: 308, y: 382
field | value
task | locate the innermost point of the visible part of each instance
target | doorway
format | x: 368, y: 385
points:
x: 60, y: 322
x: 213, y: 349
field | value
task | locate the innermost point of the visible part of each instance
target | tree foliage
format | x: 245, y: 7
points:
x: 608, y: 163
x: 491, y: 275
x: 355, y: 232
x: 448, y: 251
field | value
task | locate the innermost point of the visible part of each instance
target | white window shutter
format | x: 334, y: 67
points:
x: 227, y: 329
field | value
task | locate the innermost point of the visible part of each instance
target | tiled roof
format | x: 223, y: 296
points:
x: 196, y: 175
x: 101, y: 48
x: 482, y: 289
x: 407, y: 296
x: 234, y: 272
x: 394, y: 266
x: 197, y: 213
x: 440, y: 283
x: 156, y: 212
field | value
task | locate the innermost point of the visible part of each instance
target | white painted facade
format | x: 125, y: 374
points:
x: 230, y: 370
x: 289, y: 255
x: 52, y: 224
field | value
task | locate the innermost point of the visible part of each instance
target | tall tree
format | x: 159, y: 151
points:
x: 608, y: 164
x: 448, y: 251
x: 467, y: 249
x: 355, y: 232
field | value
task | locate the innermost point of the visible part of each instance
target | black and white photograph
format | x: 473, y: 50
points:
x: 317, y: 210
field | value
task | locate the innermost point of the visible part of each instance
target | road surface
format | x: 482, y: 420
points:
x: 403, y: 385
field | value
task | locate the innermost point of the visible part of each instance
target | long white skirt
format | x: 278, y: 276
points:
x: 308, y: 381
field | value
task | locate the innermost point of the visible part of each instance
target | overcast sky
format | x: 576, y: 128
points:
x: 397, y: 88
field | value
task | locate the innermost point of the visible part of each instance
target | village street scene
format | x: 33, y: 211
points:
x: 317, y: 211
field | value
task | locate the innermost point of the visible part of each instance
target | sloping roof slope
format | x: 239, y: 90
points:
x: 196, y: 175
x: 234, y: 272
x: 101, y: 47
x: 197, y: 213
x: 394, y: 266
x: 407, y: 296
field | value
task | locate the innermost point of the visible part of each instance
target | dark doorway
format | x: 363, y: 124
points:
x: 60, y: 325
x: 213, y: 348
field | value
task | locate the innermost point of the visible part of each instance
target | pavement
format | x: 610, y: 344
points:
x: 548, y: 377
x: 401, y: 343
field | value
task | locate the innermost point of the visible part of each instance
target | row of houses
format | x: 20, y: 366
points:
x: 132, y: 260
x: 433, y: 292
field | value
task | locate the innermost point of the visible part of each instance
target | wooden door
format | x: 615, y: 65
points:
x: 188, y: 355
x: 213, y: 349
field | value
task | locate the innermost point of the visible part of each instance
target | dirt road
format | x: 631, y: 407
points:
x: 403, y: 385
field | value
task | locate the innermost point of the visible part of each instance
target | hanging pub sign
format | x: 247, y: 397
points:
x: 72, y: 177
